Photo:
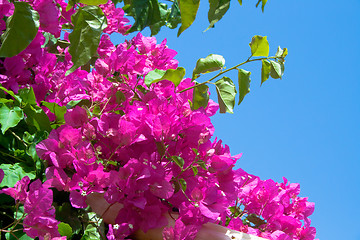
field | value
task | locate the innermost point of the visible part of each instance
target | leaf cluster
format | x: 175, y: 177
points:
x: 155, y: 14
x: 272, y: 66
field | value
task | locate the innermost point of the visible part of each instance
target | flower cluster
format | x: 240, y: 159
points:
x: 144, y: 149
x: 40, y: 214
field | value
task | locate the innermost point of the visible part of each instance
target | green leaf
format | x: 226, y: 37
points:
x: 195, y: 170
x: 68, y: 214
x: 93, y: 2
x: 211, y: 63
x: 183, y: 184
x: 82, y: 102
x: 281, y: 53
x: 226, y: 91
x: 4, y: 100
x: 89, y: 22
x: 163, y: 13
x: 91, y: 233
x: 10, y: 117
x: 11, y: 93
x: 57, y: 110
x: 244, y: 84
x: 262, y: 5
x: 35, y: 116
x: 49, y: 39
x: 259, y: 46
x: 200, y: 97
x: 120, y: 97
x: 202, y: 164
x: 27, y: 95
x: 240, y: 2
x: 15, y: 172
x: 174, y: 17
x: 96, y: 110
x: 153, y: 75
x: 277, y: 69
x: 265, y: 71
x: 178, y: 160
x: 71, y: 4
x: 65, y: 229
x: 145, y: 12
x: 285, y: 52
x: 173, y: 75
x: 22, y: 28
x: 188, y: 10
x: 217, y: 10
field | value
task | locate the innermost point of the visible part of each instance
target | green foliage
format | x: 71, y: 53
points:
x: 178, y: 160
x: 211, y: 63
x: 153, y: 76
x: 217, y: 10
x: 188, y: 11
x: 281, y: 52
x: 183, y: 184
x: 200, y: 96
x: 65, y: 229
x: 151, y: 13
x: 244, y: 83
x: 91, y: 233
x: 145, y: 12
x: 93, y: 2
x: 265, y: 70
x: 58, y: 111
x: 80, y: 103
x: 263, y: 3
x: 15, y: 40
x: 277, y: 69
x: 195, y: 170
x: 259, y: 46
x: 35, y: 115
x: 173, y: 75
x: 174, y: 17
x: 225, y: 88
x: 14, y: 173
x: 89, y: 22
x: 155, y: 14
x: 10, y: 116
x: 226, y: 91
x: 69, y: 215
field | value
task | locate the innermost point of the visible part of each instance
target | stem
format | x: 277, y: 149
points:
x: 19, y: 138
x: 64, y: 42
x: 9, y: 155
x: 227, y: 70
x: 105, y: 105
x: 112, y: 154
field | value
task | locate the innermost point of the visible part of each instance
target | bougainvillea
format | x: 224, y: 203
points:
x: 143, y: 144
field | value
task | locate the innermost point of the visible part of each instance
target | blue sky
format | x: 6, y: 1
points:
x: 306, y: 126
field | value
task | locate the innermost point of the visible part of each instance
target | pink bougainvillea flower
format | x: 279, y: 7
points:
x: 180, y: 231
x: 76, y: 117
x: 20, y: 191
x: 40, y: 219
x: 49, y: 16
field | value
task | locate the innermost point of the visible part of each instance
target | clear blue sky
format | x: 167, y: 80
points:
x: 305, y: 127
